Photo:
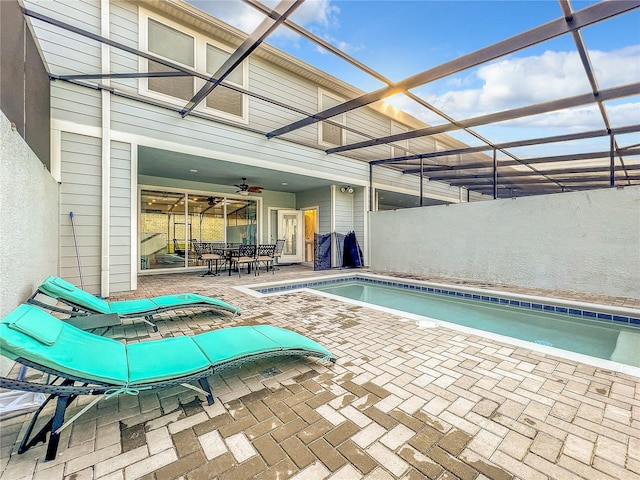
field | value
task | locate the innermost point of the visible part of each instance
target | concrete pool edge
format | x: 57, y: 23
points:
x: 426, y: 322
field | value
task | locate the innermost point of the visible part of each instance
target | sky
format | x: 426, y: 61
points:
x: 402, y: 38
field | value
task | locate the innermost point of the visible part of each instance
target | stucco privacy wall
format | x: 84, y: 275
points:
x: 580, y: 241
x: 28, y: 220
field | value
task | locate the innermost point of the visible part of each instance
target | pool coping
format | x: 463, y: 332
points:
x: 604, y: 313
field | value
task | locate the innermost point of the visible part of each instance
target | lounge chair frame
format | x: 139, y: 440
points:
x: 78, y: 310
x: 30, y: 341
x: 68, y: 390
x: 81, y: 311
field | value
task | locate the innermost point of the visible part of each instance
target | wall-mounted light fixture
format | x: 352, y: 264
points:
x: 346, y: 189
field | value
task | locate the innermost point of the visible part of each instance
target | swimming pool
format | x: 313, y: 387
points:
x: 593, y: 330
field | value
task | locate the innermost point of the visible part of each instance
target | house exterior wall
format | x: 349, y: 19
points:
x: 121, y: 217
x: 81, y: 193
x: 99, y: 178
x: 581, y: 241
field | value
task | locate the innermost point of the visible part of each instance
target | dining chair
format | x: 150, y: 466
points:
x: 245, y: 254
x: 265, y: 256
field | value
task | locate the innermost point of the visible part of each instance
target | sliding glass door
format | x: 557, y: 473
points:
x: 163, y: 230
x: 171, y: 221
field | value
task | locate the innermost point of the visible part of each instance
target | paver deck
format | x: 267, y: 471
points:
x: 402, y: 402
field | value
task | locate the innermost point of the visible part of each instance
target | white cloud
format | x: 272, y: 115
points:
x: 316, y: 13
x: 584, y: 118
x: 237, y: 14
x: 517, y: 82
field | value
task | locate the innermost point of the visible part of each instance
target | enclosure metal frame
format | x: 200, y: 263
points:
x: 496, y: 175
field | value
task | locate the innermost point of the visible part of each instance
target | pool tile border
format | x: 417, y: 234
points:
x: 589, y: 314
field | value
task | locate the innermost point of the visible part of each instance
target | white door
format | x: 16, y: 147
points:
x: 291, y: 228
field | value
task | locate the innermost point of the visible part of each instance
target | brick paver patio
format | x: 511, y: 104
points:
x: 402, y: 402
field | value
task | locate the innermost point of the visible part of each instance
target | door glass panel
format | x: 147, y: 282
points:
x: 310, y: 222
x: 207, y: 221
x: 242, y: 221
x: 290, y: 234
x: 162, y: 230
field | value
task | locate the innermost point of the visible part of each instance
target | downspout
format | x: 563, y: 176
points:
x: 370, y: 187
x: 495, y: 174
x: 612, y: 161
x: 333, y: 225
x: 105, y: 51
x: 421, y: 181
x: 134, y: 209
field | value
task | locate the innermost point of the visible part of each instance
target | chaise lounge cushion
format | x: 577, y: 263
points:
x: 56, y: 287
x: 229, y: 344
x: 290, y: 339
x: 74, y: 351
x: 30, y: 334
x: 41, y: 329
x: 130, y: 307
x: 165, y: 359
x: 60, y: 289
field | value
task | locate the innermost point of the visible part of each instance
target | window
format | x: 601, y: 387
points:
x: 222, y: 98
x: 400, y: 147
x: 176, y: 46
x: 330, y: 134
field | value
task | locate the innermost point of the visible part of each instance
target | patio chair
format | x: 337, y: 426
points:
x: 88, y: 364
x: 278, y: 252
x: 265, y: 256
x: 244, y: 254
x: 82, y: 303
x: 209, y: 252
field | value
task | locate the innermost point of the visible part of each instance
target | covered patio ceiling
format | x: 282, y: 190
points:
x: 503, y: 169
x: 181, y: 166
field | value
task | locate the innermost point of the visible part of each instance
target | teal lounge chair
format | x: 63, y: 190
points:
x: 83, y: 303
x: 88, y: 364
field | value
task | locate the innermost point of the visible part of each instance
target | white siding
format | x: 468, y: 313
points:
x: 120, y: 218
x: 391, y: 179
x: 273, y: 82
x: 343, y: 211
x: 80, y: 193
x: 230, y: 143
x: 66, y: 52
x: 124, y: 29
x: 75, y: 104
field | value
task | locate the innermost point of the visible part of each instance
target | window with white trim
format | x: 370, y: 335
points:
x: 329, y: 133
x: 224, y: 99
x: 399, y: 147
x: 167, y: 42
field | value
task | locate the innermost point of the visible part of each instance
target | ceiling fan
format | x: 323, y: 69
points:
x: 244, y: 189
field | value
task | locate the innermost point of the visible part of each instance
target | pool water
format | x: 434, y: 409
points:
x: 572, y: 333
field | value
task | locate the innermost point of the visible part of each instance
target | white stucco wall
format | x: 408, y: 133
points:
x: 580, y: 241
x: 29, y: 209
